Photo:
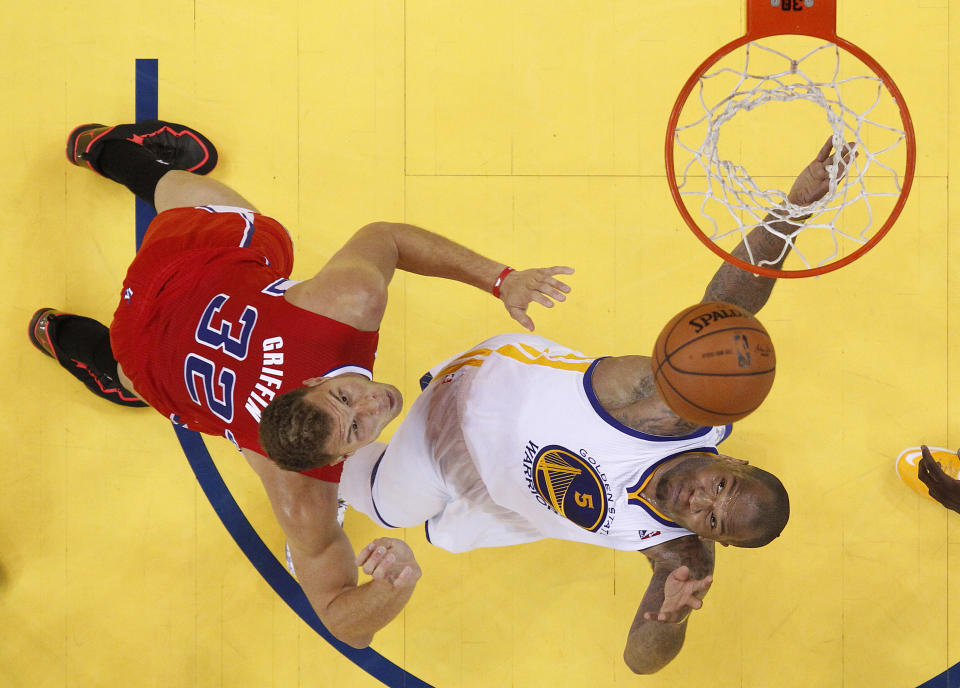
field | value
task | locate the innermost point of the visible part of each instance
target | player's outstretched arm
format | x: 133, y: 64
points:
x: 352, y: 286
x: 750, y: 291
x: 325, y: 562
x: 940, y: 486
x: 682, y: 574
x: 328, y: 576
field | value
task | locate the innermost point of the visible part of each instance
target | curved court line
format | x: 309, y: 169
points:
x: 236, y: 523
x: 217, y: 492
x: 948, y: 679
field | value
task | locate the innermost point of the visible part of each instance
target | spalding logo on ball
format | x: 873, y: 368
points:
x: 713, y: 363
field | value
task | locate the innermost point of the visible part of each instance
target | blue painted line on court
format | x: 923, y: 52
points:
x: 272, y: 570
x: 948, y: 679
x: 217, y: 492
x: 147, y: 95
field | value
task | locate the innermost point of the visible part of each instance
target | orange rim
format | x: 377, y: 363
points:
x: 818, y: 25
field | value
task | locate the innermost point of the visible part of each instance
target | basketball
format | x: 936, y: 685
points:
x: 713, y: 363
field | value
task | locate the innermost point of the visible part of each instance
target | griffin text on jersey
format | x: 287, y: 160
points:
x: 271, y: 377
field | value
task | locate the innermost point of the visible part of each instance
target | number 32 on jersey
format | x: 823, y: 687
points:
x: 201, y: 374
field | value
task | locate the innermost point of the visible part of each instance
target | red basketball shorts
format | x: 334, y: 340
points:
x: 180, y: 247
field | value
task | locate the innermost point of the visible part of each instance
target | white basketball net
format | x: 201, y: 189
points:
x: 728, y: 192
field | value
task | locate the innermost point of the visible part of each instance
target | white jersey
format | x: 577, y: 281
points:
x: 509, y: 444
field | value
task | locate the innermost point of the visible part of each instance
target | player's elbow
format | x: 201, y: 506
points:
x: 378, y: 227
x: 351, y: 637
x: 343, y: 626
x: 650, y: 654
x: 642, y: 664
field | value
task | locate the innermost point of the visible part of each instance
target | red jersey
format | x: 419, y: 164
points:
x: 205, y: 334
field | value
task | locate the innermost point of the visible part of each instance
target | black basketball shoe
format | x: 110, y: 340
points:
x: 176, y: 145
x: 86, y: 353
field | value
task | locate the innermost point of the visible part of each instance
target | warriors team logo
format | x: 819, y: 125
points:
x: 571, y: 485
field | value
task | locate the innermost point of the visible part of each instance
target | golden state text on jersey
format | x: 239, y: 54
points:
x: 569, y: 483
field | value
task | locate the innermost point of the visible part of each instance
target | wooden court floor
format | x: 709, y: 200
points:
x: 533, y: 132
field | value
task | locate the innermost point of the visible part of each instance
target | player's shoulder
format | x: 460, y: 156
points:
x: 352, y: 294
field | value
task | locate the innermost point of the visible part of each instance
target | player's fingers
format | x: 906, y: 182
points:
x: 695, y: 603
x: 542, y: 299
x: 364, y: 554
x: 402, y: 577
x: 407, y: 577
x: 520, y: 315
x: 821, y: 189
x: 681, y: 573
x: 849, y: 152
x: 842, y: 168
x: 383, y: 568
x: 923, y: 472
x: 846, y: 161
x: 374, y: 560
x: 557, y: 284
x: 934, y: 468
x: 560, y: 270
x: 552, y: 292
x: 825, y: 149
x: 654, y: 616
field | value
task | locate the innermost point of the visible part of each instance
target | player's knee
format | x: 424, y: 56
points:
x: 180, y: 189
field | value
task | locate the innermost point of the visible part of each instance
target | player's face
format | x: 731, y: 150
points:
x: 712, y: 496
x: 360, y: 409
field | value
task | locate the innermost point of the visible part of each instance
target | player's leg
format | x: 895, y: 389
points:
x: 160, y: 162
x: 122, y: 378
x: 139, y: 155
x: 81, y: 345
x: 177, y: 189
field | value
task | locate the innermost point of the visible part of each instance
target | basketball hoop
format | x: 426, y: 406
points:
x: 790, y: 54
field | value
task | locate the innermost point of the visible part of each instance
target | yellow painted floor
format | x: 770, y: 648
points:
x: 533, y: 131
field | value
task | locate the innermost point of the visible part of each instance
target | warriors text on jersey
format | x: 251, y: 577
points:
x: 509, y: 444
x: 205, y: 334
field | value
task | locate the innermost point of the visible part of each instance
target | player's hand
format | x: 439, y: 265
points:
x: 681, y: 593
x: 521, y: 287
x: 940, y: 486
x: 391, y: 560
x: 814, y: 181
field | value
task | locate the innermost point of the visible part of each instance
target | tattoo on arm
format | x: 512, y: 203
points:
x: 652, y: 418
x: 689, y: 551
x: 745, y: 289
x: 663, y: 422
x: 651, y: 645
